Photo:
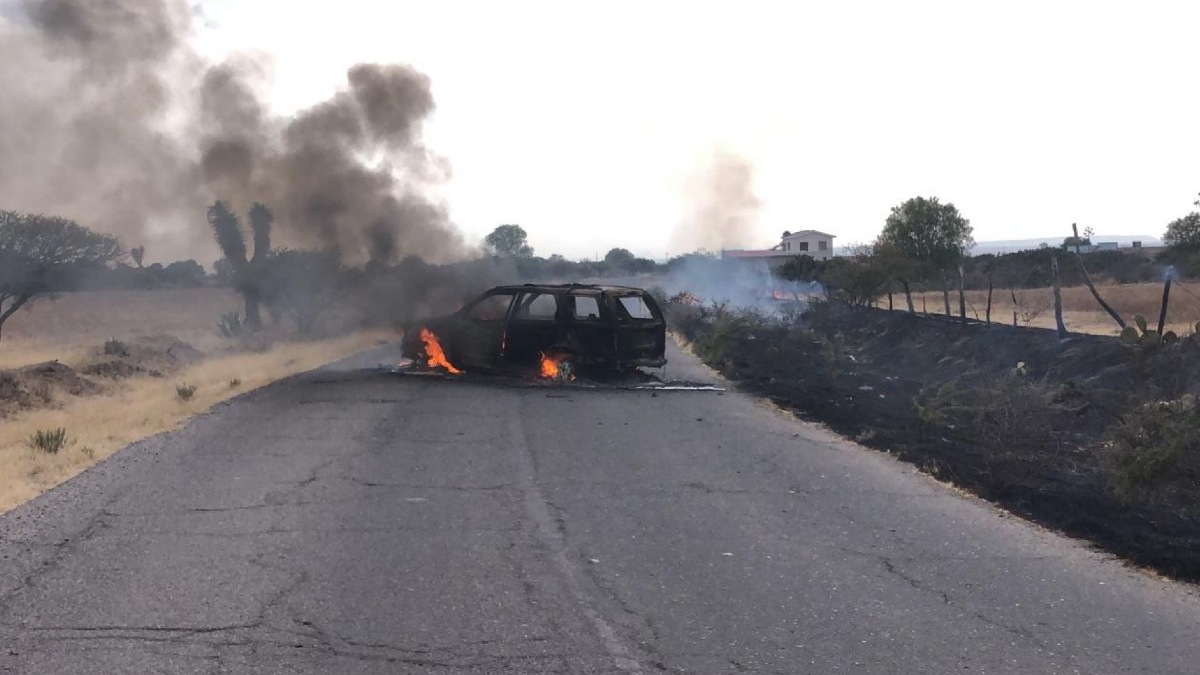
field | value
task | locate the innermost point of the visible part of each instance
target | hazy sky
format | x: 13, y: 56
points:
x: 582, y: 121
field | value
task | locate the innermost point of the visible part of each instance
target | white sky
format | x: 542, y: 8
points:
x: 581, y: 120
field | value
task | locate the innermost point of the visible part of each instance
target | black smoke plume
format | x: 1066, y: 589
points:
x: 109, y: 116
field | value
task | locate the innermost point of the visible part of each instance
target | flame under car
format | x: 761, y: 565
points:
x: 529, y: 327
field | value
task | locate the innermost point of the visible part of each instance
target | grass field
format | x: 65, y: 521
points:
x: 73, y: 328
x: 1081, y: 313
x: 65, y: 327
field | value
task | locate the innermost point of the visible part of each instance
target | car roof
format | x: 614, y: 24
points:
x: 560, y: 288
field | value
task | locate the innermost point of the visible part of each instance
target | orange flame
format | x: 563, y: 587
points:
x: 433, y: 349
x: 551, y: 369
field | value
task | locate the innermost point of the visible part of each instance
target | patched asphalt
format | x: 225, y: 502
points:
x: 351, y: 520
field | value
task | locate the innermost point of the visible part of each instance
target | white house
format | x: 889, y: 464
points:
x: 817, y: 245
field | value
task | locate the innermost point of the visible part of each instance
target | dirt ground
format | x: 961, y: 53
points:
x: 867, y: 374
x: 68, y: 326
x: 109, y: 368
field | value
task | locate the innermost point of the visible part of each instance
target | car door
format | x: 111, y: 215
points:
x: 590, y: 327
x: 536, y: 325
x: 479, y: 331
x: 641, y: 330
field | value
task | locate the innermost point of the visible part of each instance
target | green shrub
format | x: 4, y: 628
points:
x: 185, y: 391
x: 728, y: 330
x: 1154, y: 454
x: 49, y: 441
x: 114, y: 347
x: 1005, y: 411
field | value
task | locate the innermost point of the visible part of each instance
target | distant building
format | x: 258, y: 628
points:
x: 817, y: 245
x: 1106, y: 246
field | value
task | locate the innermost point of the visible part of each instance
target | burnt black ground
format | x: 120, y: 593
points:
x: 1056, y: 477
x: 352, y: 521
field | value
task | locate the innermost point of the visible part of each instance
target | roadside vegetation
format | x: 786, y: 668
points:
x: 1095, y: 435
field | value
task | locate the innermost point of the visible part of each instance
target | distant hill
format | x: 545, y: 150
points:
x: 1010, y: 245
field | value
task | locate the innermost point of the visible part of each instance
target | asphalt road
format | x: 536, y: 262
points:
x: 352, y: 521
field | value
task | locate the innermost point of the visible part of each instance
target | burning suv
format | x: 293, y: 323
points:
x: 552, y: 329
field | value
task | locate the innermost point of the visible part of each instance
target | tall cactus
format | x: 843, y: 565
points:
x: 260, y: 223
x: 228, y: 230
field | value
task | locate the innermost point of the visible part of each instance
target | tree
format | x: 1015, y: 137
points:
x: 931, y: 233
x: 1183, y: 232
x: 856, y: 279
x: 641, y: 266
x: 246, y: 273
x: 38, y: 251
x: 509, y: 241
x: 183, y: 274
x: 900, y: 267
x: 800, y: 268
x: 618, y: 257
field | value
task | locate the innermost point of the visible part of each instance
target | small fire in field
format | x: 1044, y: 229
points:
x: 553, y: 369
x: 433, y: 349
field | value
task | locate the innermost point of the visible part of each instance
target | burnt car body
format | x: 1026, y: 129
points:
x: 515, y: 327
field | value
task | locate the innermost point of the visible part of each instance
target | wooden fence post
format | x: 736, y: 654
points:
x: 1162, y: 315
x: 1058, y: 317
x: 1087, y: 279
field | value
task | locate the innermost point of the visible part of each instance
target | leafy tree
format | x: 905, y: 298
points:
x: 800, y: 268
x: 931, y: 233
x: 641, y: 266
x: 558, y: 265
x: 509, y: 241
x: 246, y: 273
x: 856, y: 279
x: 36, y: 251
x: 898, y: 266
x: 928, y: 231
x: 184, y: 274
x: 618, y: 257
x: 223, y: 271
x: 1184, y: 232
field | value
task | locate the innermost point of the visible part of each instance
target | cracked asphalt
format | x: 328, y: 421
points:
x: 352, y: 521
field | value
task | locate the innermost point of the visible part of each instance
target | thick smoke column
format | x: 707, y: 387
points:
x: 721, y: 209
x: 111, y: 118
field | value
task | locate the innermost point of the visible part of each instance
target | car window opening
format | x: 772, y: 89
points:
x: 537, y: 307
x: 633, y: 308
x: 491, y: 308
x: 587, y: 308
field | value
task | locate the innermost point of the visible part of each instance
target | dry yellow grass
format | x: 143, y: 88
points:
x: 67, y: 327
x: 1081, y: 313
x: 98, y: 426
